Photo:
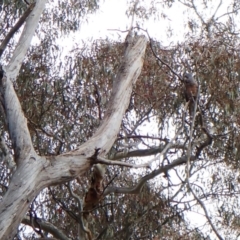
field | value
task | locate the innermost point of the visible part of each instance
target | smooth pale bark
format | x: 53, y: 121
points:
x: 25, y: 40
x: 35, y: 172
x: 17, y: 124
x: 15, y: 28
x: 46, y: 226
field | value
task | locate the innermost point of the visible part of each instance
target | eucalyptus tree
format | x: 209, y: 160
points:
x: 118, y: 104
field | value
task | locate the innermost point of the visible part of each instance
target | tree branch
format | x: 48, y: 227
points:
x: 5, y: 155
x: 119, y: 163
x: 17, y: 124
x: 137, y: 188
x: 46, y: 226
x: 160, y: 60
x: 189, y: 149
x: 20, y: 51
x: 145, y: 152
x: 206, y: 213
x: 15, y: 28
x: 182, y: 160
x: 80, y: 219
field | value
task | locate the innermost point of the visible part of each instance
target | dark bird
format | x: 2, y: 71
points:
x: 191, y: 91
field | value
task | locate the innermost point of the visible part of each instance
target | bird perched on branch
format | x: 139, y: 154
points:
x: 191, y: 91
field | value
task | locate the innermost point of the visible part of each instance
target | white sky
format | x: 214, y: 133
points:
x: 111, y: 15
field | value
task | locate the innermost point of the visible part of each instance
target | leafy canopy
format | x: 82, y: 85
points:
x: 64, y: 99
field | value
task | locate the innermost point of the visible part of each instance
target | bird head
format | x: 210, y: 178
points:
x: 188, y: 78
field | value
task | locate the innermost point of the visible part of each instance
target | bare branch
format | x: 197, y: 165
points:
x: 206, y: 143
x: 228, y: 13
x: 17, y: 124
x: 219, y: 5
x: 119, y: 163
x: 162, y: 151
x: 137, y: 188
x: 154, y: 53
x: 141, y: 136
x: 20, y: 51
x: 144, y: 152
x: 182, y: 160
x: 121, y: 92
x: 185, y: 4
x: 160, y: 60
x: 46, y: 226
x: 49, y: 134
x: 206, y: 213
x: 189, y: 151
x: 198, y: 14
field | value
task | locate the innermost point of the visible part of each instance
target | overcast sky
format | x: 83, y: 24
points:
x: 112, y: 17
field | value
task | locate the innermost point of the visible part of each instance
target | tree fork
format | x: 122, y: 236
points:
x: 36, y: 172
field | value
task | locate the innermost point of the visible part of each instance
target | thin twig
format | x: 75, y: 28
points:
x: 228, y: 13
x: 219, y: 5
x: 206, y: 213
x: 198, y: 14
x: 159, y: 59
x: 37, y: 127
